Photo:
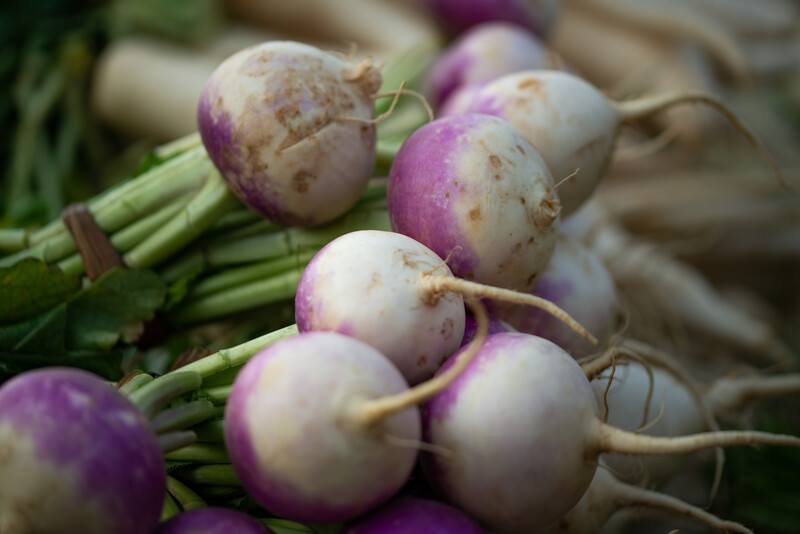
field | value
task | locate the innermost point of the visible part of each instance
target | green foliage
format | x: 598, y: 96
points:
x: 55, y: 323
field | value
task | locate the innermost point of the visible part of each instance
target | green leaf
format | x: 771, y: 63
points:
x: 179, y: 289
x: 31, y: 287
x: 117, y: 302
x: 44, y: 333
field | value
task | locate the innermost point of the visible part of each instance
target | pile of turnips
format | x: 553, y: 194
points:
x: 473, y: 349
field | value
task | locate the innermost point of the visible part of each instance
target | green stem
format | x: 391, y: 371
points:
x: 13, y: 239
x: 171, y: 508
x: 201, y: 453
x: 130, y: 199
x: 135, y: 383
x: 129, y: 237
x: 187, y: 499
x: 217, y: 395
x: 184, y: 416
x: 292, y: 240
x: 234, y: 356
x: 25, y: 140
x: 183, y: 144
x: 48, y: 179
x: 212, y: 475
x: 153, y: 396
x: 249, y: 273
x: 236, y: 219
x: 244, y: 297
x: 172, y: 441
x: 386, y: 151
x: 210, y: 203
x: 211, y: 432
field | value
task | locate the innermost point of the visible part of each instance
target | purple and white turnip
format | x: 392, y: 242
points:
x: 472, y: 189
x: 290, y: 128
x: 212, y: 520
x: 397, y: 295
x: 524, y: 434
x: 77, y: 457
x: 573, y: 125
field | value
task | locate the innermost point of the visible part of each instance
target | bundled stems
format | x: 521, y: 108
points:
x: 371, y: 412
x: 210, y: 203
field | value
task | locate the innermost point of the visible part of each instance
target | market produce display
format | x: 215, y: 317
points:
x: 403, y: 267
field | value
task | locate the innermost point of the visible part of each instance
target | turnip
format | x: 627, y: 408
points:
x: 457, y: 15
x: 77, y: 457
x: 396, y: 295
x: 472, y: 189
x: 606, y: 495
x: 483, y: 54
x: 322, y: 427
x: 290, y: 129
x: 573, y: 125
x: 212, y: 521
x: 521, y: 424
x: 415, y: 516
x: 667, y: 406
x: 576, y: 281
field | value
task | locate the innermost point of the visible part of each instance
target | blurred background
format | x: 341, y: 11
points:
x: 89, y: 87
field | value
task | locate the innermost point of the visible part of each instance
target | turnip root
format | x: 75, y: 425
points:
x: 213, y: 521
x: 483, y: 54
x: 322, y: 427
x: 524, y: 458
x: 394, y: 294
x: 415, y: 516
x: 577, y: 282
x: 538, y: 16
x: 641, y: 270
x: 289, y: 127
x: 606, y: 495
x: 472, y: 189
x: 77, y: 457
x: 573, y: 125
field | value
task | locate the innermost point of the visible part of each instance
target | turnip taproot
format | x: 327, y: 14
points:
x: 213, y: 521
x: 573, y: 125
x: 77, y: 457
x: 289, y: 127
x: 483, y: 54
x: 523, y: 458
x: 472, y: 189
x: 322, y: 427
x: 415, y: 516
x: 396, y: 295
x: 606, y: 495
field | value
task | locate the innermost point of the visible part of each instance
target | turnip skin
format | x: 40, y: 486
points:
x: 78, y: 457
x: 570, y: 122
x: 292, y: 441
x: 483, y: 54
x: 366, y: 284
x: 509, y: 497
x: 213, y: 521
x: 576, y: 281
x: 472, y: 189
x: 496, y: 326
x: 276, y: 120
x: 415, y: 516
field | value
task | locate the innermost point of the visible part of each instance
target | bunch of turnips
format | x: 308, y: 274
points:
x: 453, y: 366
